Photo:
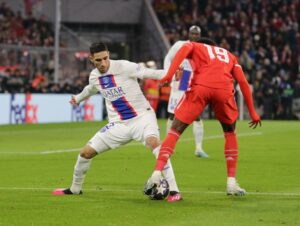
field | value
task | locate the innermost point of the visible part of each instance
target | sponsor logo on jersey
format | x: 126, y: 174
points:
x: 116, y: 96
x: 113, y: 93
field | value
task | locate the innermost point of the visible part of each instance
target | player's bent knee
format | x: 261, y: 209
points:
x: 171, y: 116
x: 152, y: 142
x: 227, y: 128
x: 88, y: 152
x: 198, y: 119
x: 179, y: 126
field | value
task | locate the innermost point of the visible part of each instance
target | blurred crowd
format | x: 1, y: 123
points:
x: 24, y: 71
x: 14, y: 29
x: 264, y: 34
x: 14, y: 80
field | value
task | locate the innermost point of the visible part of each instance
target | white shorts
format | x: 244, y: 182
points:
x: 175, y: 97
x: 115, y: 134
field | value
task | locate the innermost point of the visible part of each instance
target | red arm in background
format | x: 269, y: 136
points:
x: 182, y: 53
x: 245, y: 88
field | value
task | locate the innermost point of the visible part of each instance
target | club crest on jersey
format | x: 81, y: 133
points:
x: 106, y: 81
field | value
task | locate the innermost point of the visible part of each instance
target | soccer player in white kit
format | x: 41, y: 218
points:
x: 130, y: 114
x: 178, y: 88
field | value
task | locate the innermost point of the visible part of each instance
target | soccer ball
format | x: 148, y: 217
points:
x: 160, y: 191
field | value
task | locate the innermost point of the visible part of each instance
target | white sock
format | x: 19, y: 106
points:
x: 81, y: 167
x: 198, y: 133
x: 156, y: 176
x: 168, y: 172
x: 169, y: 124
x: 231, y: 180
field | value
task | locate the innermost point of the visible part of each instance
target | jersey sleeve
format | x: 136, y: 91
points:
x: 88, y: 90
x: 138, y: 71
x: 239, y: 76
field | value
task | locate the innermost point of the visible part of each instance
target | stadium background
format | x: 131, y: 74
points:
x: 263, y: 34
x: 35, y: 87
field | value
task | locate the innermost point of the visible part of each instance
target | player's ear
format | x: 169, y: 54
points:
x: 91, y: 58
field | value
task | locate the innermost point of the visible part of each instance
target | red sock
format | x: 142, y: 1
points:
x: 167, y: 149
x: 231, y: 153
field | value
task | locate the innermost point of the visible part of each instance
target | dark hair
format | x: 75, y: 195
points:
x: 207, y: 41
x: 97, y: 47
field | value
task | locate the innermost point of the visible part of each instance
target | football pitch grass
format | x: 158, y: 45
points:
x: 35, y: 159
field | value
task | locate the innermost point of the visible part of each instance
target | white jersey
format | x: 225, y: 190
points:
x: 119, y: 86
x: 178, y: 88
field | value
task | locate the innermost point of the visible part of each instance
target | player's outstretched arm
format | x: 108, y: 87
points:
x: 88, y: 91
x: 137, y: 71
x: 151, y: 73
x: 245, y: 88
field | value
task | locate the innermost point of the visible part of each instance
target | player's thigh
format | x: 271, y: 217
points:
x: 111, y: 136
x: 144, y: 127
x: 225, y: 108
x: 190, y: 107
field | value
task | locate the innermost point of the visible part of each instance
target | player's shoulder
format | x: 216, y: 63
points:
x: 121, y: 64
x: 233, y: 57
x: 174, y: 49
x: 234, y: 60
x: 179, y: 44
x: 123, y: 67
x: 94, y: 74
x: 201, y: 45
x: 117, y: 67
x: 117, y: 62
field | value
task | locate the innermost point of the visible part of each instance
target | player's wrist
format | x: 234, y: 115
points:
x: 255, y: 116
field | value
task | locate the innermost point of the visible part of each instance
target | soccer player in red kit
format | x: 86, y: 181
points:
x: 214, y: 74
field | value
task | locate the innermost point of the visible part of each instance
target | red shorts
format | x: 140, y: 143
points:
x: 193, y: 103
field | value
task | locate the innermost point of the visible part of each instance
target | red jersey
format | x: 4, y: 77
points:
x: 215, y: 68
x: 213, y: 65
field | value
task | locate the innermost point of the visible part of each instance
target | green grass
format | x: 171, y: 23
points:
x: 269, y: 169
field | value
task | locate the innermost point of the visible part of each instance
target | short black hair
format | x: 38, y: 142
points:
x: 97, y: 47
x: 207, y: 41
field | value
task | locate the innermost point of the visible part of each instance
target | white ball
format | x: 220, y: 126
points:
x: 161, y: 191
